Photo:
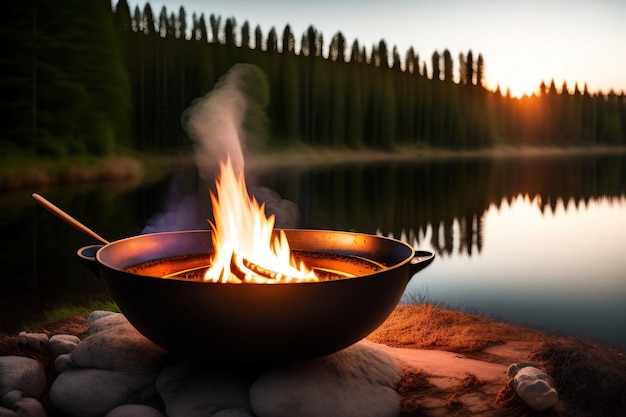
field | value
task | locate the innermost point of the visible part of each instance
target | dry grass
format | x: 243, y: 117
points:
x: 589, y: 377
x: 414, y: 387
x: 428, y: 327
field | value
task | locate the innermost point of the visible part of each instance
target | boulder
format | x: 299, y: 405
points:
x: 98, y: 314
x: 190, y: 390
x: 112, y: 366
x: 63, y: 343
x: 359, y: 381
x: 135, y: 410
x: 95, y: 392
x: 28, y: 407
x: 35, y: 341
x: 20, y: 373
x: 17, y: 403
x: 114, y: 344
x: 12, y: 397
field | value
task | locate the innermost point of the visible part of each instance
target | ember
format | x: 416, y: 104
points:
x: 327, y: 267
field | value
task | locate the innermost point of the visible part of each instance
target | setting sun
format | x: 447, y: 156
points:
x: 521, y: 88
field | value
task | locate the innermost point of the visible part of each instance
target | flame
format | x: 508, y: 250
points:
x: 244, y: 239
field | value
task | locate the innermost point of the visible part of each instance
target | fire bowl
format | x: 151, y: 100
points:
x: 257, y: 322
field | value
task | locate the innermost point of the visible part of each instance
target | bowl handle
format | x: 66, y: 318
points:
x: 87, y: 255
x: 420, y: 261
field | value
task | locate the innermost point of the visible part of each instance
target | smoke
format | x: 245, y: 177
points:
x: 232, y: 115
x: 221, y: 125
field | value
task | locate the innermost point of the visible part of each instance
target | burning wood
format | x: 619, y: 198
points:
x: 247, y: 271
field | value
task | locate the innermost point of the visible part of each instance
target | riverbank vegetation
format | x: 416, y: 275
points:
x: 88, y: 79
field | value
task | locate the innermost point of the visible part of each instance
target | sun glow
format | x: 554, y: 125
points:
x: 523, y: 87
x: 247, y: 249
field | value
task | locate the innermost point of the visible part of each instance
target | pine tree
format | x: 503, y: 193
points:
x: 436, y: 58
x: 447, y: 66
x: 480, y: 71
x: 469, y: 68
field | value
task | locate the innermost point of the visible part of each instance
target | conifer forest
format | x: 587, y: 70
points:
x: 83, y: 77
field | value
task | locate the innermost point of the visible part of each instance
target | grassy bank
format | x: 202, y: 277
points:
x: 24, y: 172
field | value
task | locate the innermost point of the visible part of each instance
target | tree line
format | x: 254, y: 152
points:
x: 92, y: 79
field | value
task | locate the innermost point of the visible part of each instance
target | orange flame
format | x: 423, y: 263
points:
x: 243, y: 238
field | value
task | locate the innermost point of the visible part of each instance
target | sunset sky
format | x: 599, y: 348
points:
x: 522, y: 42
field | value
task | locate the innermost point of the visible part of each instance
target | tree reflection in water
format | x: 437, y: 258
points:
x: 438, y: 200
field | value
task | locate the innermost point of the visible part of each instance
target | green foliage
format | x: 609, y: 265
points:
x: 65, y: 70
x: 82, y: 78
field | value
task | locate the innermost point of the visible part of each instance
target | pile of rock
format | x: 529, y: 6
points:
x: 116, y: 372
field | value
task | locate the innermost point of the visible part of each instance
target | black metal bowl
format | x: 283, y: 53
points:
x: 257, y: 322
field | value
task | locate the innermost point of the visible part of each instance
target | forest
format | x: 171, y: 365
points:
x: 83, y: 77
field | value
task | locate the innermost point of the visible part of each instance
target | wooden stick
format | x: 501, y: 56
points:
x: 67, y: 218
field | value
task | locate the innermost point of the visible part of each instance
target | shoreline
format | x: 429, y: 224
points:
x: 25, y: 172
x: 440, y: 351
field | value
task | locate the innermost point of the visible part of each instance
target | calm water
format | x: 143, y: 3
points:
x: 538, y: 241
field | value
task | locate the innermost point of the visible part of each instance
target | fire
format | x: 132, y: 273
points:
x: 246, y: 249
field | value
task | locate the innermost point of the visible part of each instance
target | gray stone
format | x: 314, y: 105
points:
x: 5, y: 412
x: 63, y: 343
x: 98, y: 314
x: 190, y: 390
x: 358, y: 381
x: 234, y: 412
x: 63, y: 362
x: 11, y: 397
x: 24, y: 374
x: 95, y: 392
x: 135, y: 410
x: 17, y: 403
x: 535, y: 388
x: 29, y: 407
x: 114, y: 344
x: 35, y: 341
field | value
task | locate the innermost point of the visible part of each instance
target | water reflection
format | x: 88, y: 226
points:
x: 462, y: 209
x: 443, y: 201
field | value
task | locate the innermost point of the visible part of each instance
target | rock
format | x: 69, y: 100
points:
x: 24, y: 374
x: 191, y: 390
x: 11, y: 397
x: 63, y: 362
x: 35, y: 341
x: 113, y: 366
x: 357, y: 381
x: 17, y: 403
x: 533, y: 386
x: 29, y: 407
x: 63, y: 343
x: 234, y: 412
x: 135, y: 410
x: 95, y: 392
x: 114, y: 344
x: 98, y: 314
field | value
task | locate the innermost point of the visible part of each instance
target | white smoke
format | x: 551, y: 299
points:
x: 221, y: 124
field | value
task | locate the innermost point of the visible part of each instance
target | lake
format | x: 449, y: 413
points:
x: 538, y: 240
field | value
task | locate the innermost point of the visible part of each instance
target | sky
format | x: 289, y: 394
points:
x: 522, y: 42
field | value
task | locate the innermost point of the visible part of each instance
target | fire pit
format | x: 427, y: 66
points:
x: 248, y: 292
x: 257, y: 322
